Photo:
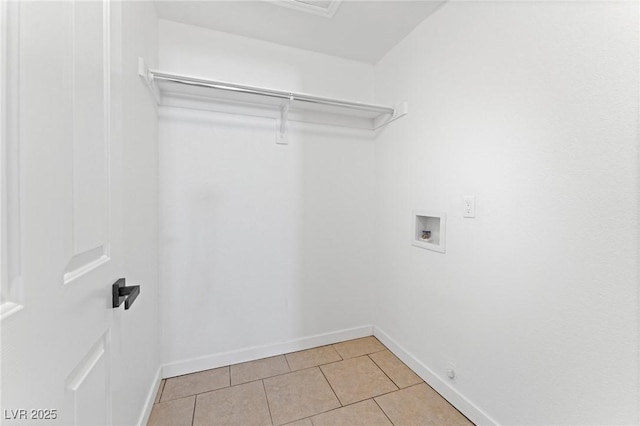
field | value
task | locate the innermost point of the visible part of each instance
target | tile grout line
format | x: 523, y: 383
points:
x: 287, y: 361
x: 355, y: 402
x: 361, y: 338
x: 182, y: 397
x: 323, y: 364
x: 331, y: 387
x: 279, y: 374
x: 437, y: 393
x: 303, y: 369
x: 383, y: 372
x: 261, y: 378
x: 338, y: 408
x: 349, y: 405
x: 364, y: 354
x: 339, y: 354
x: 381, y: 409
x: 318, y: 364
x: 193, y: 414
x: 401, y: 362
x: 203, y: 392
x: 228, y: 367
x: 445, y: 399
x: 397, y: 390
x: 264, y: 389
x: 161, y: 390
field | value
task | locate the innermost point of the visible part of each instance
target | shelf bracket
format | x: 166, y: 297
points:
x: 282, y: 130
x: 399, y: 111
x: 147, y: 77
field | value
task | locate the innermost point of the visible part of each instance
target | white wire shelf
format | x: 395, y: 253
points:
x: 199, y: 93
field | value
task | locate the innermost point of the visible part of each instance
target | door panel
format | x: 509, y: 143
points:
x: 85, y: 396
x: 91, y: 97
x: 56, y: 351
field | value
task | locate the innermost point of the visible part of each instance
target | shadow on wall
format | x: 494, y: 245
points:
x: 336, y: 228
x: 261, y: 243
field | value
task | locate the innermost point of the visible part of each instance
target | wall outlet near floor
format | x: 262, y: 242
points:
x: 469, y: 206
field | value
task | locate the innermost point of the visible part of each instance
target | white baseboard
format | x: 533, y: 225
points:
x: 151, y: 398
x: 466, y: 407
x: 207, y: 362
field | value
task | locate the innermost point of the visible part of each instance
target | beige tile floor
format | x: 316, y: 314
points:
x: 358, y: 382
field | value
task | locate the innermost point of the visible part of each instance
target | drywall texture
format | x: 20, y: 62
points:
x: 260, y: 243
x: 220, y: 56
x: 533, y: 108
x: 138, y: 327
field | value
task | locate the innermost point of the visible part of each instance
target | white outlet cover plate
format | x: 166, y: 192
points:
x: 469, y: 206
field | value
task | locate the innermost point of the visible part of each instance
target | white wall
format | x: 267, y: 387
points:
x: 221, y: 56
x: 260, y: 243
x: 533, y: 108
x: 139, y: 327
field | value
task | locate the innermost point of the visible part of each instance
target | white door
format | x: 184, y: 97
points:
x: 61, y: 210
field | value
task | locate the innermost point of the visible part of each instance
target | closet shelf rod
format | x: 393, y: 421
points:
x: 231, y: 87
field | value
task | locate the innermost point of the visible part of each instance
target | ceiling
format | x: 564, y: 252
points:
x: 359, y: 30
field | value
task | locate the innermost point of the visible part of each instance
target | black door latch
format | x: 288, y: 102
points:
x: 122, y: 293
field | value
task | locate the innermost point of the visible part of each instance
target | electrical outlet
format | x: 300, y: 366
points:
x: 469, y: 206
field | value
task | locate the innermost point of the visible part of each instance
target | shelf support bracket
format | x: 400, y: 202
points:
x: 147, y: 77
x: 282, y: 130
x: 399, y: 111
